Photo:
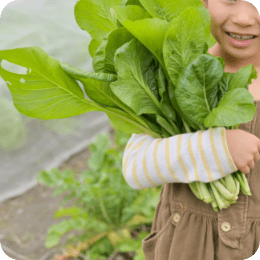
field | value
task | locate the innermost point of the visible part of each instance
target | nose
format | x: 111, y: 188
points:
x: 245, y: 14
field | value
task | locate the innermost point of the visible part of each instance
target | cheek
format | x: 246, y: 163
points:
x: 255, y: 3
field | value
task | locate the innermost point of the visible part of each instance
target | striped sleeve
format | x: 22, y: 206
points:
x: 200, y: 156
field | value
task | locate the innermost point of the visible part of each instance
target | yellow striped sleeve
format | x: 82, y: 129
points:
x: 200, y: 156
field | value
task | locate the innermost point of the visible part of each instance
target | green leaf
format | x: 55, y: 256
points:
x: 184, y: 42
x: 197, y: 87
x: 79, y: 74
x: 46, y: 91
x: 92, y: 47
x: 165, y: 100
x: 55, y: 232
x: 163, y: 122
x: 236, y: 107
x: 51, y: 177
x: 98, y: 91
x: 167, y: 10
x: 134, y: 2
x: 60, y: 228
x: 130, y: 12
x: 52, y: 240
x: 72, y: 212
x: 94, y: 17
x: 104, y: 58
x: 149, y: 31
x: 101, y: 93
x: 127, y: 123
x: 43, y: 176
x: 102, y: 144
x: 240, y: 79
x: 223, y: 86
x: 136, y: 85
x: 243, y: 76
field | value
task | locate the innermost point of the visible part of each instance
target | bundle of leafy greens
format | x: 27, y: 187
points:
x: 152, y: 74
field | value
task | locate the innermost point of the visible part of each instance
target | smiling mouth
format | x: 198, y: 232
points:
x: 254, y: 36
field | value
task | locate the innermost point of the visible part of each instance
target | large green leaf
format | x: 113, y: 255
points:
x: 149, y: 31
x: 104, y: 58
x: 184, y: 42
x: 243, y: 76
x: 94, y: 16
x: 198, y: 87
x: 240, y: 79
x: 136, y: 85
x: 236, y: 107
x: 46, y: 91
x: 231, y: 81
x: 168, y: 9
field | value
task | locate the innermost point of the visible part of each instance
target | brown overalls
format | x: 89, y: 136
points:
x: 186, y: 228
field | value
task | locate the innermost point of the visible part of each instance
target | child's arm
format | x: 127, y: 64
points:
x: 201, y: 156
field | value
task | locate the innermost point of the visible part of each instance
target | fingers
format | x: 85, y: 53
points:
x: 245, y: 170
x: 251, y: 165
x: 257, y: 157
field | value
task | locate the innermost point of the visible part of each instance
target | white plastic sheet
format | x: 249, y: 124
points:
x: 28, y: 145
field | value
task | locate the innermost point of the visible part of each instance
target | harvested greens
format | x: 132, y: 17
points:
x: 152, y: 74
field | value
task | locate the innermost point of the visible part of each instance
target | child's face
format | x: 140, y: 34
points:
x: 239, y: 17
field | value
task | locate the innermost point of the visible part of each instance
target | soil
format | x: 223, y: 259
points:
x: 25, y: 219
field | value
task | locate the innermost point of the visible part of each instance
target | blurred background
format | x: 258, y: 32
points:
x: 28, y: 145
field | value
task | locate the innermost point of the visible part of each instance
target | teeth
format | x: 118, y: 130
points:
x: 241, y: 37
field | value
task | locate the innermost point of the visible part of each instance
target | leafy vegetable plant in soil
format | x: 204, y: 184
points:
x: 152, y: 74
x: 106, y: 209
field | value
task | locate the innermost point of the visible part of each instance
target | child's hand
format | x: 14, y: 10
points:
x: 244, y: 149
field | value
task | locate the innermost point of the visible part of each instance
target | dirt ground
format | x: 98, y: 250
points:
x: 25, y: 219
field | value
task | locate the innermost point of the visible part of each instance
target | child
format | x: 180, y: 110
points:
x: 185, y: 227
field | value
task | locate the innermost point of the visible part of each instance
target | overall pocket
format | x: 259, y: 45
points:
x: 156, y: 246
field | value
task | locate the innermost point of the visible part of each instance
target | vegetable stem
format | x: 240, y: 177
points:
x: 238, y: 186
x: 205, y: 193
x: 223, y: 191
x: 248, y: 192
x: 219, y: 200
x: 213, y: 202
x: 177, y: 131
x: 194, y: 189
x: 242, y: 185
x: 186, y: 127
x: 199, y: 190
x: 143, y: 126
x: 230, y: 184
x: 222, y: 181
